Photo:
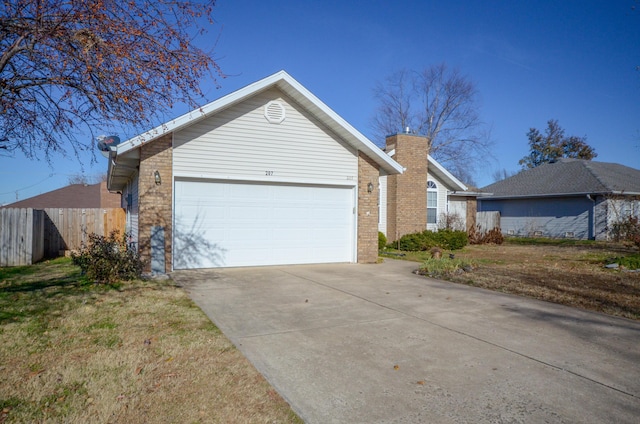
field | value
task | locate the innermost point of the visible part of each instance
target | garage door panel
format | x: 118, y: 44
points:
x: 245, y: 224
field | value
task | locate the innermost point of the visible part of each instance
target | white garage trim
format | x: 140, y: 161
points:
x: 266, y: 179
x: 239, y: 223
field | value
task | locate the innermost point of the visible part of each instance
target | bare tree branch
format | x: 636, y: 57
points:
x: 68, y: 66
x: 440, y: 104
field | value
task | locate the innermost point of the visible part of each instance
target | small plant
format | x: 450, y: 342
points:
x: 445, y: 266
x: 382, y: 240
x: 108, y: 259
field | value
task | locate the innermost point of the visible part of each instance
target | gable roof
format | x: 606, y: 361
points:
x: 444, y: 175
x: 568, y: 177
x: 289, y: 86
x: 72, y: 196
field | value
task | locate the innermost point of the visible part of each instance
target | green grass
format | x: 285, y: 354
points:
x: 629, y: 261
x: 541, y: 241
x: 38, y: 290
x: 406, y: 255
x: 445, y: 266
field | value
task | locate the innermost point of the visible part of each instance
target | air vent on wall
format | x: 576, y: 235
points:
x: 274, y: 112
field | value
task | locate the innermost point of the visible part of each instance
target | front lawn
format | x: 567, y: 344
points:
x: 76, y: 352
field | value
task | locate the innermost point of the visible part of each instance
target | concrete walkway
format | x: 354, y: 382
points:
x: 377, y: 344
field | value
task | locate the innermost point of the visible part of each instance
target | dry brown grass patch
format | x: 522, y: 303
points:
x: 570, y: 275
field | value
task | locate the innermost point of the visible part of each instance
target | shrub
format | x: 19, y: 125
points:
x: 627, y: 230
x: 445, y: 239
x: 382, y: 240
x: 494, y: 236
x: 450, y: 239
x: 107, y: 259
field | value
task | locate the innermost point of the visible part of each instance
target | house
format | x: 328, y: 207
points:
x: 266, y: 175
x: 424, y: 195
x: 78, y: 196
x: 570, y: 198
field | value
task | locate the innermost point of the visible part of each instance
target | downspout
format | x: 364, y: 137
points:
x: 593, y: 215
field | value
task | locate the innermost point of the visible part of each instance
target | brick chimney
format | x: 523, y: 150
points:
x: 407, y: 193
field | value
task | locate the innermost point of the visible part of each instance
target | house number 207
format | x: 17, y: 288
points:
x: 268, y: 173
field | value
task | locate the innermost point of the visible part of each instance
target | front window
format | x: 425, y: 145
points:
x: 432, y: 202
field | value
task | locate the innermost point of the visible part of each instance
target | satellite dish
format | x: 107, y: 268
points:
x: 107, y: 143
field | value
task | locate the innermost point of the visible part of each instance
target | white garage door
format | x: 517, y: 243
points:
x: 226, y: 224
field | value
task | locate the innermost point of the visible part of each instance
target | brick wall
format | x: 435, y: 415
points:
x: 368, y: 172
x: 155, y: 200
x: 407, y: 193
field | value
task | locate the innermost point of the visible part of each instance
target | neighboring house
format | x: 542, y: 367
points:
x: 424, y: 195
x: 570, y: 198
x: 74, y: 196
x: 263, y: 176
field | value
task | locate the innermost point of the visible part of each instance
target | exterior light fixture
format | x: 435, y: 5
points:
x: 370, y: 188
x: 156, y: 176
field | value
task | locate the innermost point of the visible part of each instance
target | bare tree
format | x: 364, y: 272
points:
x: 441, y: 104
x: 87, y: 179
x: 501, y: 174
x: 73, y: 66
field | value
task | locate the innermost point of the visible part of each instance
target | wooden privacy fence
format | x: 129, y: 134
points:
x: 21, y: 236
x: 27, y: 235
x: 68, y: 229
x: 487, y: 221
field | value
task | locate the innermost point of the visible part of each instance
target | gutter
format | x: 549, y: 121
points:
x: 534, y: 196
x: 467, y: 193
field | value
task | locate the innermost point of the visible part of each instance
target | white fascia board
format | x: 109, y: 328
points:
x: 339, y: 125
x: 442, y: 172
x: 200, y: 113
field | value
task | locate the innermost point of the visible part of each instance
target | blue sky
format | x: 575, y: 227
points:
x: 574, y: 61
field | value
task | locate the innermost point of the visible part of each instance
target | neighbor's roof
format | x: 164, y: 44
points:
x: 568, y: 177
x: 72, y: 196
x: 289, y: 86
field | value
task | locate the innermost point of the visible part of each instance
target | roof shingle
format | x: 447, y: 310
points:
x: 569, y: 176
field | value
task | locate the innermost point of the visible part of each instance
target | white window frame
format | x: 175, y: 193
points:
x: 432, y: 191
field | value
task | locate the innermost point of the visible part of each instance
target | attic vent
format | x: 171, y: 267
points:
x: 274, y: 112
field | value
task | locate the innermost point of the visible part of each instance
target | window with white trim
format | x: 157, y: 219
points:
x: 432, y: 203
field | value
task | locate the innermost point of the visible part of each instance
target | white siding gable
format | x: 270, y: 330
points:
x: 131, y: 192
x: 442, y: 201
x: 242, y: 143
x: 382, y: 205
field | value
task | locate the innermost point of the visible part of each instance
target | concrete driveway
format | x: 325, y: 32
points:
x: 377, y: 344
